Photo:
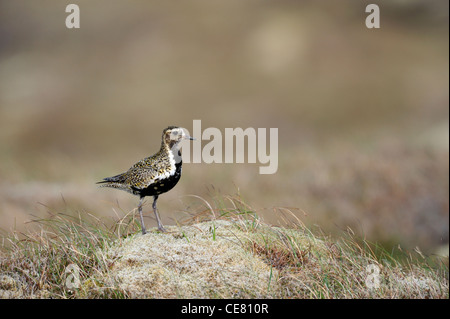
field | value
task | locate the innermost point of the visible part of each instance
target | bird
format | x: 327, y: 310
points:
x: 153, y: 175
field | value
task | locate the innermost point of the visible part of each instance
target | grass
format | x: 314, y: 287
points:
x: 222, y: 249
x: 38, y: 260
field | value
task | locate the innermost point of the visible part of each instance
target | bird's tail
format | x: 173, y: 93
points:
x: 117, y: 181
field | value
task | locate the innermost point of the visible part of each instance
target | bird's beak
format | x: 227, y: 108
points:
x: 189, y: 138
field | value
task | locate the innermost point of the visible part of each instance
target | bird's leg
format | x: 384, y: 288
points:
x: 160, y: 226
x: 142, y: 217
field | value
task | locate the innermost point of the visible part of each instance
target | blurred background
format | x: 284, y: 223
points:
x: 362, y: 114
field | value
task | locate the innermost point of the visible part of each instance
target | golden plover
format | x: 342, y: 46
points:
x: 153, y: 175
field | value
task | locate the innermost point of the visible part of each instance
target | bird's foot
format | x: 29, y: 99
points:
x: 162, y: 229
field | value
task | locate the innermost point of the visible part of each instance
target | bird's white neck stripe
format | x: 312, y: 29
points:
x: 174, y: 154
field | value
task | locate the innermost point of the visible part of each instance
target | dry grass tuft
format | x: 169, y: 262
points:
x: 225, y: 251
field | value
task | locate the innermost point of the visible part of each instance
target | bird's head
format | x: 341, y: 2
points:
x: 174, y: 135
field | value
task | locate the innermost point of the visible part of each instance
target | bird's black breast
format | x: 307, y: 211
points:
x: 161, y: 186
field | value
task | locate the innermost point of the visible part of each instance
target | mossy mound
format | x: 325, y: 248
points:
x: 231, y: 257
x: 215, y: 259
